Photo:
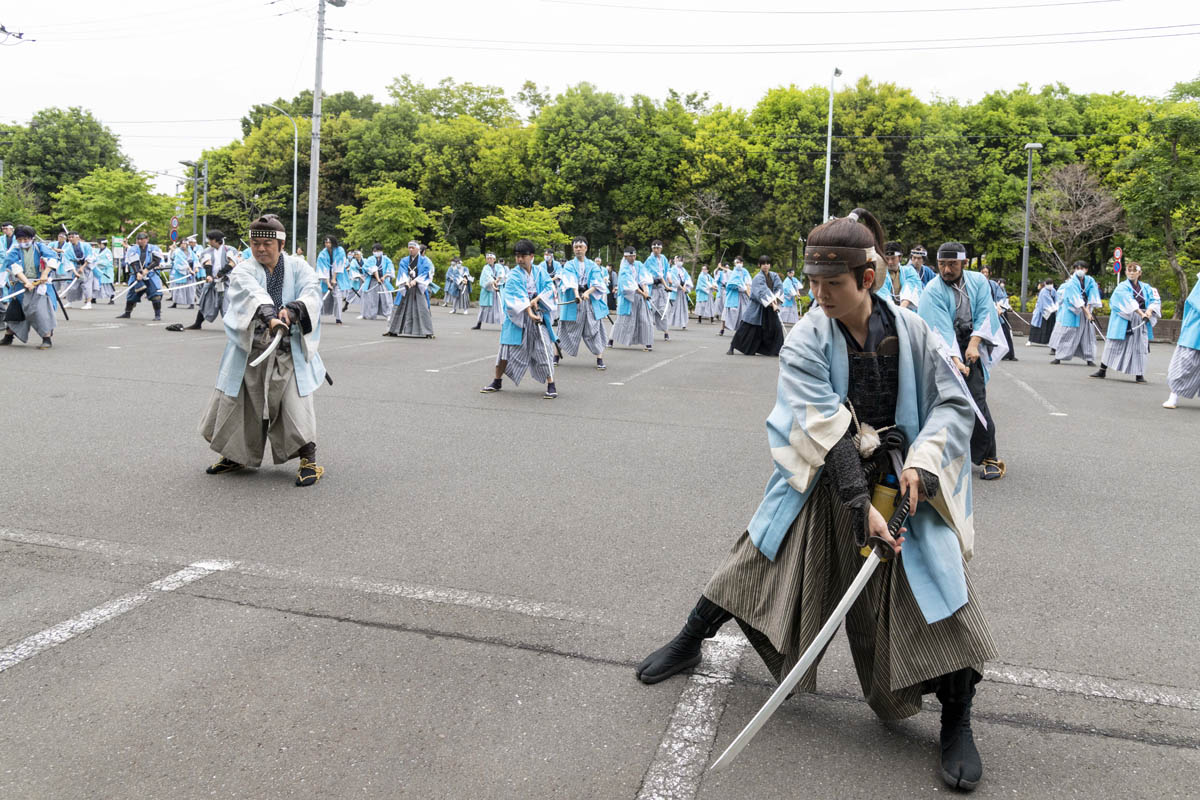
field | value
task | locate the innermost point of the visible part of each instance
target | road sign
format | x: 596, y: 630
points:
x: 174, y: 223
x: 174, y: 234
x: 1117, y: 253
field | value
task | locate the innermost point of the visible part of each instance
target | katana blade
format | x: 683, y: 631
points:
x: 270, y: 349
x: 11, y: 296
x: 802, y: 666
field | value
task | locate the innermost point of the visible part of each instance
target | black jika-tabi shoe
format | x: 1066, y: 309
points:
x: 551, y: 392
x: 7, y: 340
x: 46, y: 343
x: 683, y: 652
x: 223, y: 466
x: 309, y: 473
x: 494, y: 386
x: 600, y: 364
x: 961, y: 766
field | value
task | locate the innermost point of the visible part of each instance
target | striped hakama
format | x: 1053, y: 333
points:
x: 412, y: 317
x: 1128, y: 355
x: 233, y: 426
x: 30, y: 310
x: 708, y: 308
x: 491, y: 315
x: 570, y: 334
x: 781, y: 605
x: 1077, y: 342
x: 1183, y: 376
x: 635, y: 327
x: 586, y: 329
x: 658, y: 307
x: 533, y: 355
x: 789, y: 315
x: 377, y: 301
x: 677, y: 314
x: 101, y: 291
x: 462, y: 301
x: 332, y: 302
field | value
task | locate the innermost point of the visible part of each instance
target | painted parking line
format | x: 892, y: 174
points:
x: 684, y: 751
x: 653, y: 367
x: 1050, y: 407
x: 64, y: 631
x: 491, y: 358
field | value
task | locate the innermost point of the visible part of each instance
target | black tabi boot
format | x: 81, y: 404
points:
x: 961, y: 766
x: 157, y: 310
x: 683, y: 652
x: 1100, y: 373
x: 7, y: 340
x: 128, y: 311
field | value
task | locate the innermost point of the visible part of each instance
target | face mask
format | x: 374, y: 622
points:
x: 377, y: 253
x: 25, y: 245
x: 1079, y: 273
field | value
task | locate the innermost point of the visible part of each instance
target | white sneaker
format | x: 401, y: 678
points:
x: 360, y: 316
x: 86, y: 306
x: 1028, y: 343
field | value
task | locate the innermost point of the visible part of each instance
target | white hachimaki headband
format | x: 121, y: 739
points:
x: 264, y: 233
x: 415, y: 243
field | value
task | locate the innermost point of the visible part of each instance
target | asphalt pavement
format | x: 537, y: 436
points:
x: 456, y: 608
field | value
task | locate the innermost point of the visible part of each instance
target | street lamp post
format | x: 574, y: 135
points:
x: 829, y: 143
x: 314, y: 161
x: 195, y: 192
x: 295, y: 167
x: 1029, y: 148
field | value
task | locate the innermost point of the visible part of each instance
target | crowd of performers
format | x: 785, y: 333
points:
x: 880, y: 411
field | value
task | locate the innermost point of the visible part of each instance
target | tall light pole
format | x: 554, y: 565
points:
x: 205, y: 239
x: 829, y: 143
x: 195, y: 192
x: 1029, y: 148
x: 295, y: 166
x: 314, y: 166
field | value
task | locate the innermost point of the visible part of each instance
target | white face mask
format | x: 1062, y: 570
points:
x: 25, y: 245
x: 1079, y: 273
x: 377, y: 253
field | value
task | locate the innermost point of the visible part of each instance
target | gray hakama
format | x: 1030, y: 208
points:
x: 332, y: 303
x: 377, y: 301
x: 462, y: 301
x: 1183, y: 376
x: 72, y: 290
x: 658, y: 307
x: 1129, y: 355
x: 1077, y: 342
x: 677, y: 314
x: 30, y: 310
x: 707, y: 309
x: 789, y: 315
x: 782, y: 604
x: 412, y: 317
x: 731, y: 316
x: 635, y: 327
x: 533, y: 355
x: 102, y: 291
x: 491, y: 315
x: 212, y: 300
x: 268, y: 408
x: 186, y: 295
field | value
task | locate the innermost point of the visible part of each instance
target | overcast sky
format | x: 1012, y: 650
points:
x: 150, y: 68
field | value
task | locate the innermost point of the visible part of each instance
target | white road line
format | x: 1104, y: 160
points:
x: 683, y: 753
x: 429, y: 594
x: 355, y: 344
x: 491, y: 358
x: 662, y: 363
x: 1054, y: 412
x: 30, y: 646
x: 1093, y: 686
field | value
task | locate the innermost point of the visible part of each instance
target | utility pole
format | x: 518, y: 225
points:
x: 295, y: 167
x: 829, y: 143
x: 205, y: 229
x: 1029, y: 148
x: 195, y: 193
x: 314, y: 166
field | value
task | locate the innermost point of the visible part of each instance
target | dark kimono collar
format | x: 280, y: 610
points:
x: 880, y: 325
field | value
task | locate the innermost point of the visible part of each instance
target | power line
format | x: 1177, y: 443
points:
x: 838, y: 12
x: 873, y: 48
x: 682, y: 46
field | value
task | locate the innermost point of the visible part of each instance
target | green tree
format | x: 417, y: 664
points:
x: 332, y: 105
x: 58, y: 148
x: 580, y: 144
x: 381, y: 151
x: 444, y: 154
x: 389, y: 214
x: 448, y: 100
x: 1163, y: 182
x: 540, y: 224
x: 647, y: 188
x: 109, y: 200
x: 18, y: 205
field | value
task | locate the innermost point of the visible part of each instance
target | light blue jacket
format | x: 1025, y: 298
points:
x: 424, y: 269
x: 629, y: 280
x: 519, y: 289
x: 1124, y: 308
x: 1072, y: 298
x: 1189, y: 332
x: 939, y: 304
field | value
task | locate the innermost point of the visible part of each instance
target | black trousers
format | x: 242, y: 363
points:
x: 983, y: 439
